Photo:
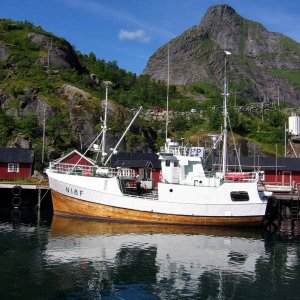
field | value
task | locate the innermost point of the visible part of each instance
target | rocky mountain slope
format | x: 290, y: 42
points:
x: 42, y: 78
x: 263, y: 64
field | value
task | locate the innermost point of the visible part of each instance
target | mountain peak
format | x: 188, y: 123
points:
x: 222, y: 25
x: 197, y: 55
x: 219, y: 11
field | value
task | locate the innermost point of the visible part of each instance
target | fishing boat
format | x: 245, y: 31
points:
x: 187, y: 194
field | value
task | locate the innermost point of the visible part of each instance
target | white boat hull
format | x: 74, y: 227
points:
x: 178, y: 204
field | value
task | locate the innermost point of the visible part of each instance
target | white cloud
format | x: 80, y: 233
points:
x: 138, y: 35
x: 99, y: 9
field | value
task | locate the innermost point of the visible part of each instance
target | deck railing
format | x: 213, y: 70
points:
x: 84, y: 170
x: 241, y: 176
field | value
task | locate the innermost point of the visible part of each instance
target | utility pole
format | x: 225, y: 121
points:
x: 235, y: 99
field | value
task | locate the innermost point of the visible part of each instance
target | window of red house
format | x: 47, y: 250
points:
x: 13, y: 168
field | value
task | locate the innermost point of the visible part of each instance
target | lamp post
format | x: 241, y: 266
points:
x: 225, y: 113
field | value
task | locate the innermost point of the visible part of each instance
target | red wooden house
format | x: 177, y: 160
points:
x: 74, y: 162
x: 156, y: 109
x: 75, y: 158
x: 16, y: 163
x: 283, y: 171
x: 146, y: 166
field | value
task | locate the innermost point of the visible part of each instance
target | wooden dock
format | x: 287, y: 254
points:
x: 283, y: 213
x: 18, y: 194
x: 25, y: 186
x: 287, y: 196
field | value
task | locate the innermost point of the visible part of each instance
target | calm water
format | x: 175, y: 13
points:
x: 57, y: 258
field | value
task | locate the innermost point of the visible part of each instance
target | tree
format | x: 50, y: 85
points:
x: 276, y: 118
x: 28, y: 125
x: 214, y: 119
x: 92, y: 57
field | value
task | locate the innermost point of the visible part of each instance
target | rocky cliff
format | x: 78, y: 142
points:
x: 42, y: 79
x: 263, y: 64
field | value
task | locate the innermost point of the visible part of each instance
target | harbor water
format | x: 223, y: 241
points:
x: 49, y: 257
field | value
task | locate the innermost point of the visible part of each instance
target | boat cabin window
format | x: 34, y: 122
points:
x: 167, y: 163
x: 239, y: 196
x: 175, y: 163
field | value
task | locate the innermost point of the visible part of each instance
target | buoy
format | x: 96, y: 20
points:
x: 16, y: 190
x: 16, y: 201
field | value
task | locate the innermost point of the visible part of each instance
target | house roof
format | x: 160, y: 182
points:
x: 273, y: 163
x: 135, y: 160
x: 61, y: 159
x: 267, y: 163
x: 16, y: 155
x: 133, y: 163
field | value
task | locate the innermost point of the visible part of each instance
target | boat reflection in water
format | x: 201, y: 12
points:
x: 163, y: 259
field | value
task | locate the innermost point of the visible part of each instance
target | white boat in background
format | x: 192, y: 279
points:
x: 186, y: 194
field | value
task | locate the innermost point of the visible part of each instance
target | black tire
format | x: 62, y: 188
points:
x: 16, y: 202
x: 16, y: 190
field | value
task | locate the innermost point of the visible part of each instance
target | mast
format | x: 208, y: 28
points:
x: 104, y: 124
x: 225, y: 114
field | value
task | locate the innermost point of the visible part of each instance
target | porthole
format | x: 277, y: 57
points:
x: 171, y: 190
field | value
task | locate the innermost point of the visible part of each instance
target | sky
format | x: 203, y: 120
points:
x: 130, y: 31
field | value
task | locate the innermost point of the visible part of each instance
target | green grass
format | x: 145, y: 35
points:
x: 267, y: 56
x: 292, y: 75
x: 289, y: 45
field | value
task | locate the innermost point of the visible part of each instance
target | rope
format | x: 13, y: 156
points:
x: 41, y: 199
